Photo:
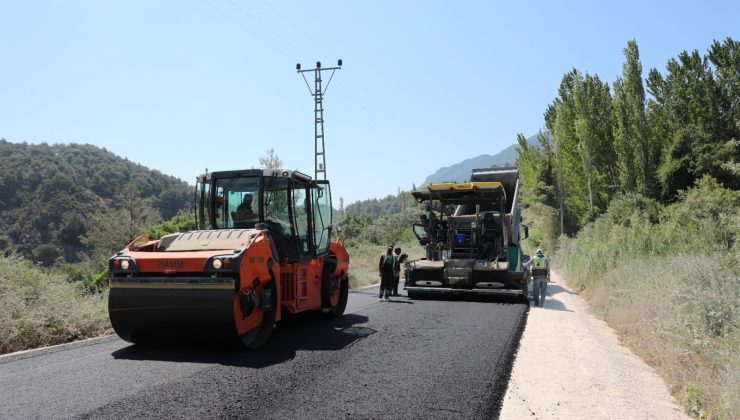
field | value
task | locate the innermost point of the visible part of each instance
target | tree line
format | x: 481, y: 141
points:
x: 72, y: 202
x: 654, y: 137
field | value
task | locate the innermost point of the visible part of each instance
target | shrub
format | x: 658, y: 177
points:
x: 183, y: 220
x: 46, y: 254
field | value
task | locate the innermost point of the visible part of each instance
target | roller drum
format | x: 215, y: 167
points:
x: 145, y: 314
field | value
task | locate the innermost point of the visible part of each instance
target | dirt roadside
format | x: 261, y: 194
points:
x: 571, y: 365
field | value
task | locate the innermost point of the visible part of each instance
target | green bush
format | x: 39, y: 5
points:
x: 46, y: 254
x: 183, y: 220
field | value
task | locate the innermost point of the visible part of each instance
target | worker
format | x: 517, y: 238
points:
x: 398, y: 259
x: 385, y: 268
x: 244, y: 212
x: 540, y: 275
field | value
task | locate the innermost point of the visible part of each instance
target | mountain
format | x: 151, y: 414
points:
x: 51, y: 197
x: 460, y: 172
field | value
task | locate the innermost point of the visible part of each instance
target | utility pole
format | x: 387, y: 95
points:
x: 318, y: 93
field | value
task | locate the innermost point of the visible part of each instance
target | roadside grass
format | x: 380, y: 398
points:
x: 666, y: 279
x: 40, y: 307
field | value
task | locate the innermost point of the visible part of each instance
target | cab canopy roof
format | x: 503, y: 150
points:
x: 469, y: 192
x: 270, y: 172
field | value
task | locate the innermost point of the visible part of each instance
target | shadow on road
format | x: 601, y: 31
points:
x: 555, y: 289
x: 554, y: 304
x: 396, y: 300
x: 303, y: 332
x: 368, y: 292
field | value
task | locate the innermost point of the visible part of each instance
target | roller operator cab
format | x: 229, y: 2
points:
x: 263, y: 247
x: 471, y: 235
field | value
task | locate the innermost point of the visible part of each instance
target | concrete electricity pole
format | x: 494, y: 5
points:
x: 318, y: 96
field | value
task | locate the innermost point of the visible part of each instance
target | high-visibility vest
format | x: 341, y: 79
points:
x: 539, y: 262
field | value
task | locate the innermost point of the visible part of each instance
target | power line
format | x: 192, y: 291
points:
x: 351, y: 73
x: 236, y: 22
x: 275, y: 33
x: 366, y: 112
x: 297, y: 27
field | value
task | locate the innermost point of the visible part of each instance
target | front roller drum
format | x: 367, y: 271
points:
x: 144, y: 315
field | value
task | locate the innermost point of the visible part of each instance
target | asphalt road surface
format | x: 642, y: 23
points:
x: 399, y: 359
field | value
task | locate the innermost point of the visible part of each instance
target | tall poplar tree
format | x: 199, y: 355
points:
x: 635, y: 101
x: 637, y: 159
x: 593, y: 123
x: 623, y: 135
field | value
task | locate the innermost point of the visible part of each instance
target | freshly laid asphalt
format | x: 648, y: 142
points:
x: 444, y: 359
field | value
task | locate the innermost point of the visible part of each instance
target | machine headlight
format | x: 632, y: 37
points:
x: 124, y: 265
x: 217, y: 264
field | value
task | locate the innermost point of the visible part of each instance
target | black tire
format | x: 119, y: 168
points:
x: 338, y: 310
x: 536, y: 292
x: 259, y: 335
x: 413, y: 294
x: 326, y: 291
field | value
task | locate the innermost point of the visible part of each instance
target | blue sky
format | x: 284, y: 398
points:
x: 181, y: 86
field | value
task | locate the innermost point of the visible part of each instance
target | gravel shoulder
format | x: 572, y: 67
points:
x: 571, y: 365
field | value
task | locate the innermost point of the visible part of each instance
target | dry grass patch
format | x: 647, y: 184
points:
x: 39, y: 307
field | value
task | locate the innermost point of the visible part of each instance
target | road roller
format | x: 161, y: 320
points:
x: 263, y: 248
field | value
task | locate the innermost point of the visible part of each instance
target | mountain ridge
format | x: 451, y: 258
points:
x: 460, y: 172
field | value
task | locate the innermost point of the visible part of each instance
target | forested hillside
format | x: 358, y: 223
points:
x: 637, y: 197
x: 58, y: 202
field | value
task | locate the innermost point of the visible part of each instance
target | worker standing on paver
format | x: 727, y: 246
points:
x: 540, y: 277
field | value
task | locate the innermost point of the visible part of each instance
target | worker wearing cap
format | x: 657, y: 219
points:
x: 385, y: 268
x: 541, y: 274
